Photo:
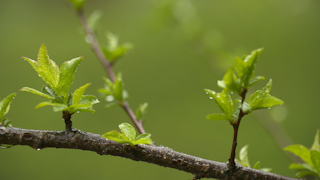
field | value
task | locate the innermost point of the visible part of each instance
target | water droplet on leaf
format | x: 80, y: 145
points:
x: 109, y: 98
x: 210, y: 97
x: 38, y: 149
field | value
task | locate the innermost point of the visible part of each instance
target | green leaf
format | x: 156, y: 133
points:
x: 244, y: 156
x: 224, y: 102
x: 128, y: 131
x: 316, y: 145
x: 266, y: 169
x: 261, y: 99
x: 305, y: 173
x: 216, y: 117
x: 33, y: 63
x: 113, y: 50
x: 118, y: 88
x: 315, y: 157
x: 143, y: 139
x: 78, y: 93
x: 33, y: 91
x: 5, y: 105
x: 257, y: 165
x: 47, y: 69
x: 78, y: 4
x: 5, y: 146
x: 231, y: 81
x: 115, y: 136
x: 300, y: 166
x: 255, y: 80
x: 301, y: 151
x: 85, y: 99
x: 141, y: 110
x: 250, y: 63
x: 93, y: 19
x: 67, y: 71
x: 46, y: 103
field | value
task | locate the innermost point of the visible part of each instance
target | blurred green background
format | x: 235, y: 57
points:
x: 181, y: 47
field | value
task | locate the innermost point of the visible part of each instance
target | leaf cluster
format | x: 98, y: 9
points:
x: 58, y: 81
x: 237, y: 80
x: 244, y: 160
x: 128, y: 135
x: 311, y: 158
x: 113, y: 50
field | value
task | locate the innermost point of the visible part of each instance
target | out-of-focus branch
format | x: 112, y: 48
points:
x: 162, y: 156
x: 107, y: 65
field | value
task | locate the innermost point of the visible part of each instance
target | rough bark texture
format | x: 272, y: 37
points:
x: 163, y: 156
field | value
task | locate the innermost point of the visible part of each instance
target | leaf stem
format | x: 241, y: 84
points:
x: 67, y: 119
x: 236, y: 124
x: 107, y: 66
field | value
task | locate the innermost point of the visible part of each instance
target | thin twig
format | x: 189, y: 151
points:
x: 107, y: 66
x: 236, y: 125
x: 162, y: 156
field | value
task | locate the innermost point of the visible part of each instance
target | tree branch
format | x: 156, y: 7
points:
x: 162, y: 156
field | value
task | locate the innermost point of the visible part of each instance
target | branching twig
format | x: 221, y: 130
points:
x: 163, y: 156
x: 107, y: 66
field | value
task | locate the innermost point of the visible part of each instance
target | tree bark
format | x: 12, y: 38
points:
x: 162, y: 156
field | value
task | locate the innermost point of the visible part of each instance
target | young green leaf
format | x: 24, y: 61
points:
x: 128, y: 135
x: 244, y: 156
x: 46, y: 103
x: 78, y: 93
x: 67, y: 71
x: 5, y: 106
x: 261, y: 99
x: 224, y: 102
x: 34, y: 91
x: 127, y: 130
x: 47, y: 69
x: 301, y: 151
x: 113, y: 50
x: 231, y: 81
x: 141, y: 110
x: 315, y: 157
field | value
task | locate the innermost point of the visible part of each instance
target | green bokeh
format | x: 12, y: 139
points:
x: 165, y: 72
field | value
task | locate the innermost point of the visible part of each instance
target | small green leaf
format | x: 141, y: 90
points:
x: 262, y: 99
x: 128, y: 131
x: 5, y: 146
x: 118, y: 88
x: 300, y: 166
x: 141, y: 110
x: 316, y: 145
x: 46, y: 103
x: 33, y: 91
x: 266, y: 169
x: 244, y: 156
x: 85, y: 99
x: 5, y: 105
x: 113, y: 50
x: 305, y: 173
x: 255, y: 80
x: 257, y: 165
x: 47, y: 69
x: 315, y: 157
x: 115, y: 136
x: 78, y: 4
x: 301, y: 151
x: 250, y: 63
x: 231, y: 81
x: 143, y: 139
x: 216, y: 117
x: 224, y: 101
x: 33, y: 63
x: 67, y: 71
x: 78, y: 93
x: 93, y: 19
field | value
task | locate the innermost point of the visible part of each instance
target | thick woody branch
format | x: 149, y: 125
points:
x: 162, y: 156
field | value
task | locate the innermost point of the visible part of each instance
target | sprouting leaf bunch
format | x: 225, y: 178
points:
x: 244, y: 160
x: 237, y: 80
x: 113, y: 50
x: 113, y: 91
x: 58, y: 81
x: 128, y: 135
x: 311, y: 158
x: 4, y: 109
